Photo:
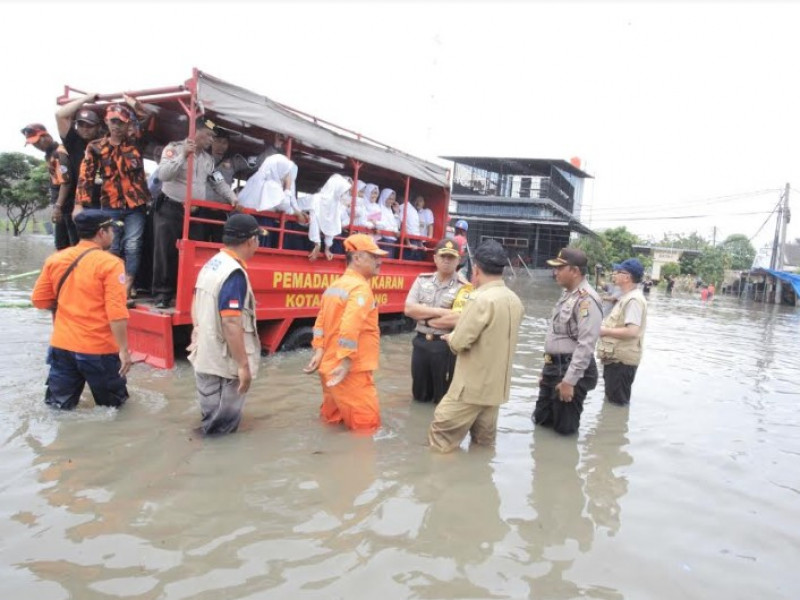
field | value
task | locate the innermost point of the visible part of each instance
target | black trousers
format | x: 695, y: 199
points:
x: 551, y: 411
x: 64, y: 232
x: 71, y: 371
x: 432, y: 366
x: 618, y: 379
x: 208, y: 232
x: 167, y: 230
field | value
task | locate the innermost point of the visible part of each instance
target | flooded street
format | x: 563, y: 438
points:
x: 692, y: 493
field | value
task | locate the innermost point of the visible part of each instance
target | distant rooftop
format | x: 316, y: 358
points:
x: 535, y: 167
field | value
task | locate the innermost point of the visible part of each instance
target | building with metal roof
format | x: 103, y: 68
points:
x: 530, y: 205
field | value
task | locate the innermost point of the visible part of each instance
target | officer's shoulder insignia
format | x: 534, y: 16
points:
x: 582, y: 291
x: 427, y: 275
x: 360, y: 300
x: 169, y: 151
x: 122, y: 279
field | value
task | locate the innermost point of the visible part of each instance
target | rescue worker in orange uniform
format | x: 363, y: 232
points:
x: 85, y: 288
x: 347, y: 340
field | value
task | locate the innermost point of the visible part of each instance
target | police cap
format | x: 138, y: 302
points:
x: 446, y: 247
x: 89, y: 221
x: 569, y: 257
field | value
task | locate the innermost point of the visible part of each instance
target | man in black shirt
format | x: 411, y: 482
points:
x: 75, y: 135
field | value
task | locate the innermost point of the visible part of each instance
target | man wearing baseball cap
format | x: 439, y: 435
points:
x: 484, y: 341
x: 85, y: 288
x: 57, y: 159
x: 569, y: 371
x: 347, y: 340
x: 430, y: 302
x: 78, y: 125
x: 225, y: 350
x: 622, y: 332
x: 116, y: 159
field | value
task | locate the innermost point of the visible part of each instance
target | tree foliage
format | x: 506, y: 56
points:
x: 740, y: 250
x: 611, y: 246
x: 670, y: 270
x: 24, y: 187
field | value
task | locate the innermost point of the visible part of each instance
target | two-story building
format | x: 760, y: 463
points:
x: 529, y: 205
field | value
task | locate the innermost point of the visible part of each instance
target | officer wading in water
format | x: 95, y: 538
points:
x: 435, y: 300
x: 225, y: 349
x: 570, y: 371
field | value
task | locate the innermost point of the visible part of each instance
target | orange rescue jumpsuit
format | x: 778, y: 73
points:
x: 347, y: 327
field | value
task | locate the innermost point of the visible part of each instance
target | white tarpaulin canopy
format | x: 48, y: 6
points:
x: 240, y: 104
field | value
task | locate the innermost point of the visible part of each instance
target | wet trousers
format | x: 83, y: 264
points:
x: 551, y: 411
x: 454, y: 419
x: 220, y: 403
x: 353, y: 402
x: 432, y: 366
x: 618, y: 380
x: 71, y: 371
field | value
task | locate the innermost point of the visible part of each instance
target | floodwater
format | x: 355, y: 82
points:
x: 692, y: 492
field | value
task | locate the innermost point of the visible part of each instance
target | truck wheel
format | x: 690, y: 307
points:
x: 299, y: 338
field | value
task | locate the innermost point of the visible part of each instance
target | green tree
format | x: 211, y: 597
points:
x: 619, y: 244
x: 692, y: 241
x: 595, y: 249
x: 24, y: 187
x: 670, y: 270
x: 711, y: 265
x: 740, y: 250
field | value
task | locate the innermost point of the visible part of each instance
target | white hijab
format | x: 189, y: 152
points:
x: 264, y: 190
x: 327, y: 204
x: 388, y: 220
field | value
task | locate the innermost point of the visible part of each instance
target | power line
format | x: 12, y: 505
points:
x: 708, y: 201
x: 760, y: 212
x: 769, y: 216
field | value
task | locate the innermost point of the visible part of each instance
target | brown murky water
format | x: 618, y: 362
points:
x: 693, y: 492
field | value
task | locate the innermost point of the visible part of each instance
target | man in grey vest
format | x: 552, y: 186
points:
x: 569, y: 371
x: 620, y: 346
x: 225, y: 349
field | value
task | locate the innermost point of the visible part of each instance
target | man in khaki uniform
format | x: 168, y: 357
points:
x: 225, y: 349
x: 569, y: 371
x: 431, y: 302
x: 620, y: 346
x: 168, y: 217
x: 484, y: 341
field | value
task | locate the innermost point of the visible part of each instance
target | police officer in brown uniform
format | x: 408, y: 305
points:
x: 168, y: 218
x: 431, y: 301
x: 569, y: 371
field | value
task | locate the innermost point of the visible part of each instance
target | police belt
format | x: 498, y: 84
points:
x: 557, y: 359
x: 430, y: 336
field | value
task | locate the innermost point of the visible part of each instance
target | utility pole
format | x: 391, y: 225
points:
x: 714, y: 238
x: 783, y: 221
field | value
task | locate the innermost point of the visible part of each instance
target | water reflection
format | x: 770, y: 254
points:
x: 605, y: 452
x: 98, y: 503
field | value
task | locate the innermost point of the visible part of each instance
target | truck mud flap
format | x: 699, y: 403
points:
x: 150, y: 338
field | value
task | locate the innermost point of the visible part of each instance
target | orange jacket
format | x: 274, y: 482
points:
x: 347, y: 325
x: 92, y: 296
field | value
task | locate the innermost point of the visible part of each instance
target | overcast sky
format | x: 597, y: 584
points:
x: 679, y: 109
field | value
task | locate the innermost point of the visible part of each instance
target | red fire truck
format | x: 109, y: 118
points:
x: 288, y: 286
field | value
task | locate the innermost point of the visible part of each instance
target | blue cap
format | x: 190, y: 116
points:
x: 461, y: 224
x: 90, y: 221
x: 632, y: 266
